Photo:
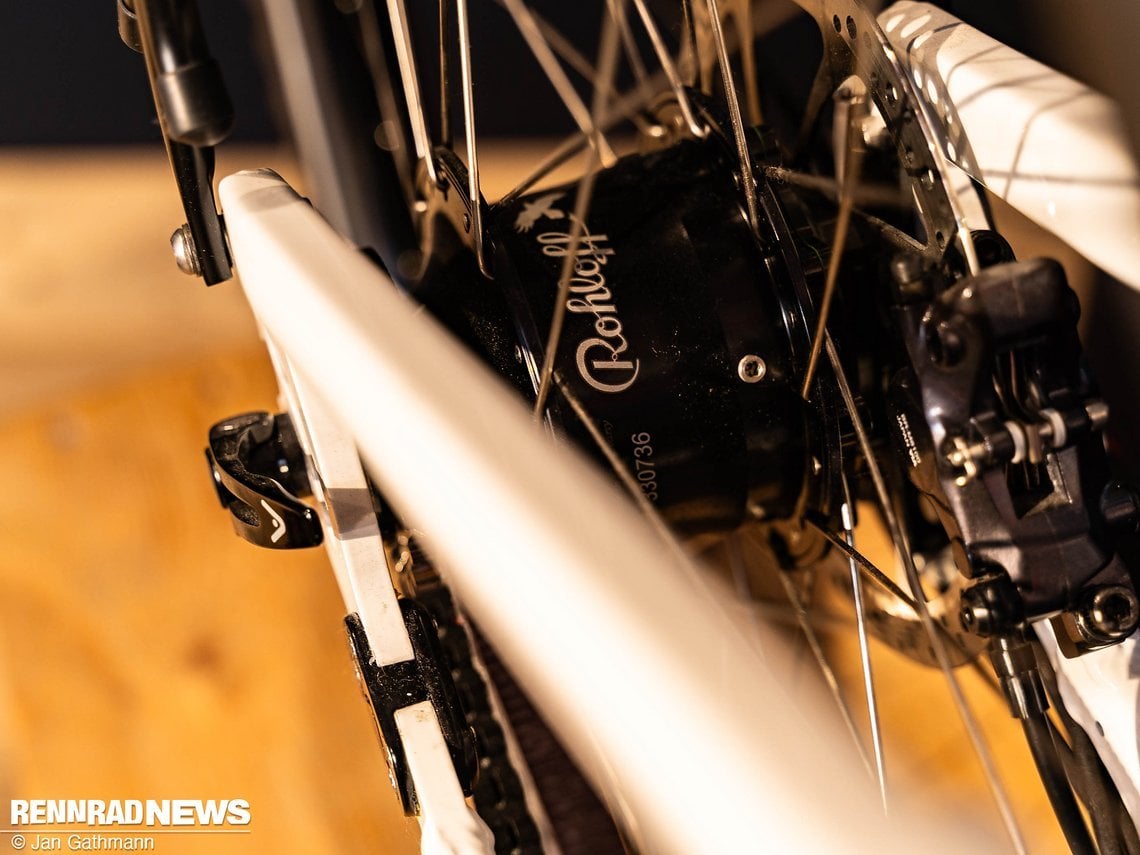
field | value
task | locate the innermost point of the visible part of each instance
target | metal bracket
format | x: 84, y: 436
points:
x: 389, y: 688
x: 195, y: 114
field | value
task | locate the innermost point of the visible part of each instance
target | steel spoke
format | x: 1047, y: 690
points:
x: 388, y: 133
x: 848, y: 515
x: 902, y: 544
x: 573, y: 57
x: 473, y: 188
x: 867, y: 194
x: 607, y: 69
x: 631, y: 50
x: 444, y: 76
x: 733, y: 102
x: 690, y: 61
x: 670, y: 70
x: 543, y: 40
x: 825, y: 667
x: 741, y: 11
x: 895, y: 236
x: 624, y: 475
x: 403, y: 39
x: 624, y: 108
x: 852, y: 167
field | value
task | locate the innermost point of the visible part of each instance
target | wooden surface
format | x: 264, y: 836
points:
x: 146, y: 652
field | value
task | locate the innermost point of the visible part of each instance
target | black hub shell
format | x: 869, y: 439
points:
x: 670, y: 290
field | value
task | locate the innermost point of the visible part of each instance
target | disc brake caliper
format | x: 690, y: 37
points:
x: 999, y: 424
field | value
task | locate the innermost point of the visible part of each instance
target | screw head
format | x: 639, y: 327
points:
x: 751, y: 368
x: 185, y: 252
x: 977, y: 618
x: 1112, y: 612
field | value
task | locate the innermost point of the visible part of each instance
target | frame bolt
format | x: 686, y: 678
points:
x: 1111, y: 613
x: 977, y: 618
x: 185, y: 251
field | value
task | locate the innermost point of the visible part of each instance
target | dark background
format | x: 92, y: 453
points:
x: 65, y: 78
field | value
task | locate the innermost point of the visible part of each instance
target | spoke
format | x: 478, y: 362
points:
x: 902, y: 544
x: 895, y: 236
x: 667, y: 66
x: 626, y: 107
x: 864, y: 648
x: 543, y: 40
x: 821, y: 88
x: 444, y: 76
x: 389, y: 133
x: 573, y: 57
x: 866, y: 194
x: 852, y: 161
x: 607, y: 68
x: 824, y: 666
x: 631, y: 484
x: 733, y: 102
x: 403, y: 39
x: 627, y: 40
x: 469, y: 130
x: 689, y: 62
x: 887, y: 585
x: 873, y: 573
x: 741, y: 11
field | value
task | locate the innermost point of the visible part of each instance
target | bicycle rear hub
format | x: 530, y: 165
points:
x: 685, y: 331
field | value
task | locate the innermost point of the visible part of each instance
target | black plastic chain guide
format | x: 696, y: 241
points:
x: 444, y: 674
x: 578, y: 819
x: 497, y: 790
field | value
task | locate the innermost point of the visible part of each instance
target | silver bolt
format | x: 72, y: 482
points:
x: 185, y: 253
x: 751, y: 368
x: 1111, y: 612
x: 1098, y: 414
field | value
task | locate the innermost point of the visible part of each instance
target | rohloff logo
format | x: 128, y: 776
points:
x: 535, y: 210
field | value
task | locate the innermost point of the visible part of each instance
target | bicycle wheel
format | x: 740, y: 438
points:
x: 694, y: 281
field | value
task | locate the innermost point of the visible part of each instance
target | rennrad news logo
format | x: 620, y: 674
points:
x: 203, y: 813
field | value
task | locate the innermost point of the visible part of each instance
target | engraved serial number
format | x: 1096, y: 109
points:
x: 644, y: 467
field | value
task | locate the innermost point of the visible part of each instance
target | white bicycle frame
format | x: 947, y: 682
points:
x: 671, y: 701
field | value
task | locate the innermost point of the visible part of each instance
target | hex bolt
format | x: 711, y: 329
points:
x: 977, y: 618
x: 1098, y: 414
x: 185, y: 251
x: 751, y: 368
x: 1111, y: 612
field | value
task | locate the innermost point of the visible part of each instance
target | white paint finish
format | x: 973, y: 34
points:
x: 352, y: 536
x: 1050, y: 146
x: 1101, y: 690
x: 447, y: 825
x: 686, y: 727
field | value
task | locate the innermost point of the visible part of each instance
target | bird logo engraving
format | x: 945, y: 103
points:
x: 535, y: 210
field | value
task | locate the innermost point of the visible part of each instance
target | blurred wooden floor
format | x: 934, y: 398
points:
x: 146, y: 652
